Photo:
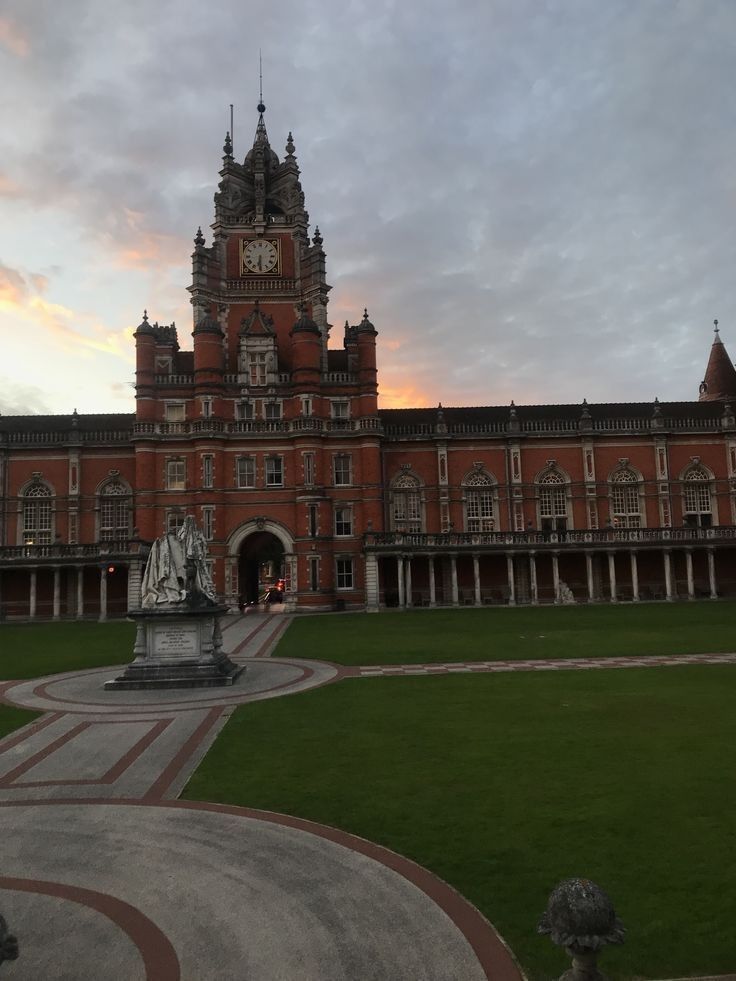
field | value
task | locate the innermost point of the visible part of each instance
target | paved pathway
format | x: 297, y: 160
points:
x: 106, y: 875
x: 551, y: 664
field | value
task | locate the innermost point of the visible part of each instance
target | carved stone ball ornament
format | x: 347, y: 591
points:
x: 580, y: 914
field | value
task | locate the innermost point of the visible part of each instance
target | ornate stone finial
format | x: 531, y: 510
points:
x: 656, y: 412
x: 512, y: 410
x: 199, y: 237
x: 317, y: 238
x: 227, y: 148
x: 580, y: 917
x: 290, y: 145
x: 715, y: 327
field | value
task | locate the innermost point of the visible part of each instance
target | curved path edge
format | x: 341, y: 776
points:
x: 494, y: 955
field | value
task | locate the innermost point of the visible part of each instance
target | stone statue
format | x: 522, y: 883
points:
x: 176, y: 572
x: 178, y: 640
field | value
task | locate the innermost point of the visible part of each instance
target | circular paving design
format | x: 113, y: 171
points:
x: 83, y: 691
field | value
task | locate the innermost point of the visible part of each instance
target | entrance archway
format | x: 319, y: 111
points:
x: 261, y: 566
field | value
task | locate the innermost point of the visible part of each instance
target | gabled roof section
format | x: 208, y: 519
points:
x: 257, y: 323
x: 720, y: 375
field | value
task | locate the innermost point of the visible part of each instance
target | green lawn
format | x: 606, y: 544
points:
x: 505, y: 784
x: 413, y: 637
x: 36, y: 649
x: 12, y: 718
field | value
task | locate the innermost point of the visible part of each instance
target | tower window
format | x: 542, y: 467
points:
x: 176, y: 475
x: 274, y: 471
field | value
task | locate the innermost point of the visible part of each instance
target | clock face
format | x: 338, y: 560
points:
x: 260, y: 256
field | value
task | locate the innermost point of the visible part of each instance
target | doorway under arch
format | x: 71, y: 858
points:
x: 261, y: 566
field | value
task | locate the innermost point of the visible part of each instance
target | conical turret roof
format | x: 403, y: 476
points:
x: 720, y: 375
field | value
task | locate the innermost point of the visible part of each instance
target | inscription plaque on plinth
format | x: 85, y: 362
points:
x: 175, y: 641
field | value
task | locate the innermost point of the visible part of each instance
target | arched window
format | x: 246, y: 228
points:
x: 552, y: 501
x: 114, y: 511
x: 37, y: 515
x: 406, y: 504
x: 478, y: 494
x: 697, y: 505
x: 625, y: 500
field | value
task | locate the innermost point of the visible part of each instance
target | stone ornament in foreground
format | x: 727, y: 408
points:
x: 178, y: 640
x: 580, y: 917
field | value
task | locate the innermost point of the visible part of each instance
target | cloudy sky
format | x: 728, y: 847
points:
x: 534, y: 198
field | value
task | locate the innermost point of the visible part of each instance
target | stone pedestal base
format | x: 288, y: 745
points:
x: 177, y: 648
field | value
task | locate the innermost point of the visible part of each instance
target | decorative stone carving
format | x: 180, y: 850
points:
x: 580, y: 917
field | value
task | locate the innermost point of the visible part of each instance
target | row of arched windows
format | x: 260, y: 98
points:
x: 37, y: 514
x: 479, y: 491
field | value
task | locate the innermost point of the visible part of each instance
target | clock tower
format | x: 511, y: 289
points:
x: 261, y: 256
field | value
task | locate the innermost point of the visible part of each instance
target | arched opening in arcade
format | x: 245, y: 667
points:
x: 262, y: 570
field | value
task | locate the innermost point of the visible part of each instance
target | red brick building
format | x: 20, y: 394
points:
x: 272, y: 438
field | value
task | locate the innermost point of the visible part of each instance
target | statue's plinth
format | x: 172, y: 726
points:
x: 177, y: 647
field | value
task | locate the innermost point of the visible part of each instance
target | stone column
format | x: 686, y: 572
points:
x: 712, y: 574
x: 589, y: 573
x: 103, y: 593
x: 453, y: 580
x: 612, y: 575
x: 32, y: 595
x: 510, y: 578
x: 690, y: 578
x: 400, y: 579
x: 668, y: 574
x: 80, y: 592
x: 533, y: 579
x: 407, y: 567
x: 634, y: 576
x: 476, y: 579
x: 57, y: 592
x: 432, y: 588
x: 372, y: 586
x: 556, y: 576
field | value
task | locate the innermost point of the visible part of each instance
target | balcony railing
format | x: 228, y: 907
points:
x: 57, y: 552
x: 565, y: 540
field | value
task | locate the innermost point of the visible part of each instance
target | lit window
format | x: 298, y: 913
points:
x: 114, y: 511
x: 175, y: 475
x: 37, y: 515
x: 174, y: 411
x: 208, y: 471
x: 344, y: 573
x: 257, y: 369
x: 343, y: 466
x: 625, y: 506
x: 274, y: 471
x: 246, y: 471
x: 343, y: 522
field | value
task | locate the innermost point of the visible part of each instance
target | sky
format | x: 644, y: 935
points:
x: 534, y: 198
